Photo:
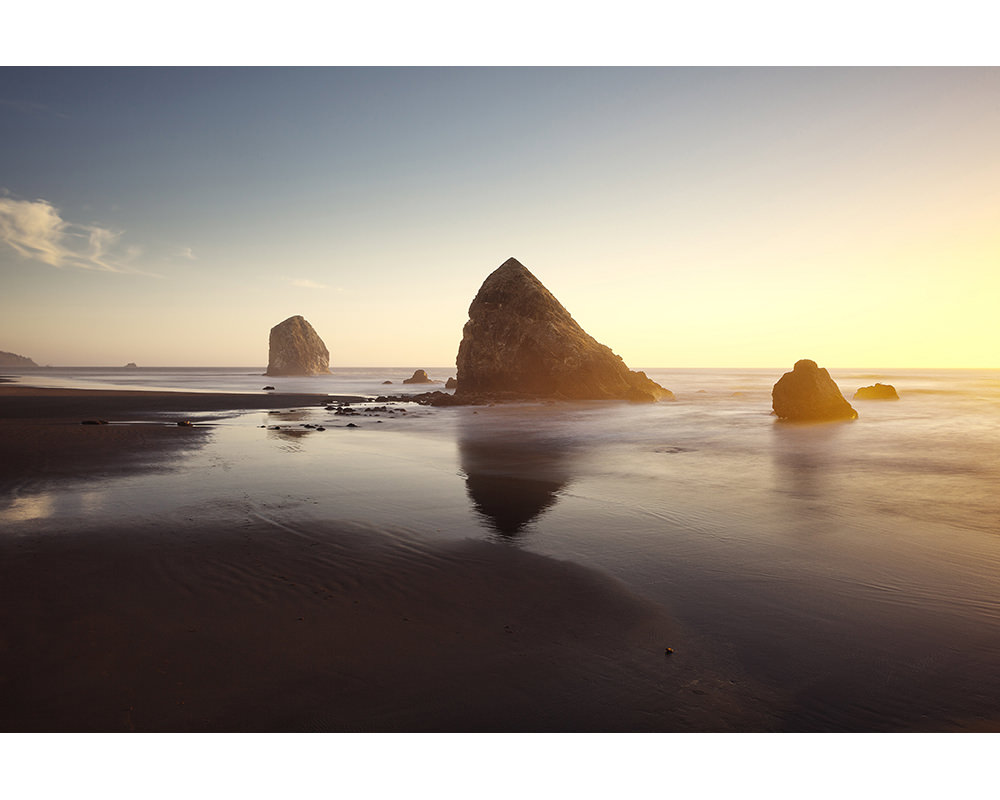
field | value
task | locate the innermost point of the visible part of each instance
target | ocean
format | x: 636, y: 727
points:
x: 849, y: 570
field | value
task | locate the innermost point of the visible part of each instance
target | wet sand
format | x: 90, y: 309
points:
x: 248, y: 626
x: 41, y: 435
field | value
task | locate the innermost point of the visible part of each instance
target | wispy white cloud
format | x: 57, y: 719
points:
x: 36, y: 230
x: 186, y: 252
x: 305, y: 283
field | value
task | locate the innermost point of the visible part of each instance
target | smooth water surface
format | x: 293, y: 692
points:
x: 853, y: 568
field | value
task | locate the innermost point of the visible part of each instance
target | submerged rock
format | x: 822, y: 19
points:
x: 295, y: 348
x: 419, y: 376
x: 880, y: 391
x: 809, y: 394
x: 520, y: 342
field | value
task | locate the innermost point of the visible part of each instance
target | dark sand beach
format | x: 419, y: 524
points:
x: 225, y: 626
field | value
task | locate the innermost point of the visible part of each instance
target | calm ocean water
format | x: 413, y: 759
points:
x: 851, y: 568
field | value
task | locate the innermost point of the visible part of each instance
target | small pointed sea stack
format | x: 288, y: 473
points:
x: 419, y: 376
x: 295, y: 348
x: 520, y: 342
x: 809, y: 394
x: 880, y: 391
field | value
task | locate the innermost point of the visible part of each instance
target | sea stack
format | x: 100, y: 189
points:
x: 809, y: 394
x: 295, y: 348
x: 520, y: 342
x: 419, y: 376
x: 880, y: 391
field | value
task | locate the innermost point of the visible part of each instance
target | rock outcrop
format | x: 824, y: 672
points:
x: 295, y: 348
x: 451, y: 383
x: 880, y: 391
x: 14, y: 360
x: 520, y: 342
x: 809, y: 394
x: 419, y: 376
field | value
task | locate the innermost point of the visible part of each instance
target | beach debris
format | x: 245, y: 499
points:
x: 294, y: 348
x: 669, y: 651
x: 94, y: 422
x: 809, y: 394
x: 521, y: 342
x: 351, y: 425
x: 880, y: 391
x: 268, y: 389
x: 185, y: 423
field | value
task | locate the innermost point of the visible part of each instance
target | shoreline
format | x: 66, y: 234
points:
x: 41, y: 435
x: 190, y: 622
x: 18, y: 401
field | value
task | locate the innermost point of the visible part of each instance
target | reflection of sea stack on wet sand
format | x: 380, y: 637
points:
x: 521, y: 342
x: 809, y: 394
x: 294, y: 348
x: 511, y: 476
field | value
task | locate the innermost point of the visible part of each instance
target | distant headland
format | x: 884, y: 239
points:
x: 14, y: 360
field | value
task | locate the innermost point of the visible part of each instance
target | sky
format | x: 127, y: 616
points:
x: 686, y: 217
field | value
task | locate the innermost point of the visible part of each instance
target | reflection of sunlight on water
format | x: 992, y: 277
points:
x: 38, y: 506
x: 91, y: 502
x: 46, y: 505
x: 819, y: 558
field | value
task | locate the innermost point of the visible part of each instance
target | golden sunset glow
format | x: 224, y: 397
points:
x: 686, y: 217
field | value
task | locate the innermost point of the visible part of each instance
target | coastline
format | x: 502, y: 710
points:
x: 236, y: 625
x: 20, y: 401
x: 41, y: 435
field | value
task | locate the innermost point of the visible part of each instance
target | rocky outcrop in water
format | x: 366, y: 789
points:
x: 880, y: 391
x: 295, y: 348
x: 419, y: 376
x: 521, y: 343
x: 809, y: 394
x: 14, y: 360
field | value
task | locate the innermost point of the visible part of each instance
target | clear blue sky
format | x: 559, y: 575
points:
x: 684, y: 216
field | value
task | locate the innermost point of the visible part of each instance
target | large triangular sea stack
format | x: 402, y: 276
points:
x: 521, y: 342
x: 294, y: 348
x: 809, y: 394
